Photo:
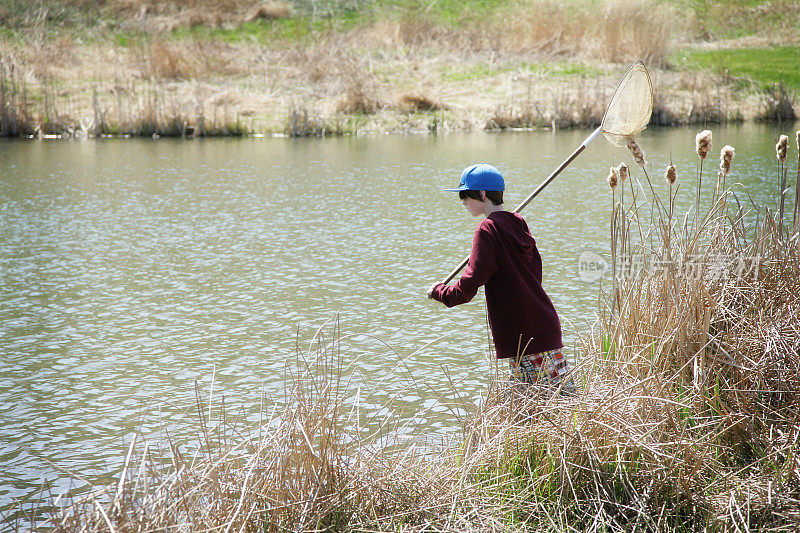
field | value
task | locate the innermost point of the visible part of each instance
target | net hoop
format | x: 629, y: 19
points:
x: 630, y: 108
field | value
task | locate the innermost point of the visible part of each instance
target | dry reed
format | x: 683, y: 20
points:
x: 781, y: 148
x: 726, y: 159
x: 702, y: 146
x: 781, y: 151
x: 797, y: 184
x: 636, y: 152
x: 622, y: 170
x: 702, y: 143
x: 613, y: 175
x: 670, y: 175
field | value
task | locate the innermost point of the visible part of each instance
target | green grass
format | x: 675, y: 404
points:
x: 302, y: 28
x: 455, y: 12
x: 486, y: 70
x: 288, y: 31
x: 730, y: 19
x: 763, y: 66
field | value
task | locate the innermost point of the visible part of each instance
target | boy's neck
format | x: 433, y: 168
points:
x: 491, y: 208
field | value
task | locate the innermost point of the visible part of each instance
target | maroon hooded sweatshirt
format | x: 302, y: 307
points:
x: 504, y: 257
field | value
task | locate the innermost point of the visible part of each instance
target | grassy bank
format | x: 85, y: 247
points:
x: 196, y: 67
x: 685, y: 419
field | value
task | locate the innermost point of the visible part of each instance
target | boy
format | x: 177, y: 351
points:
x: 504, y: 257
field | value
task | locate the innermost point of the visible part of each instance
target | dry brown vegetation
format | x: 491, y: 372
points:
x: 158, y: 16
x: 685, y: 420
x: 504, y: 58
x: 615, y: 31
x: 418, y: 102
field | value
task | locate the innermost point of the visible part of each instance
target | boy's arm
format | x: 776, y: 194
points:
x: 479, y: 269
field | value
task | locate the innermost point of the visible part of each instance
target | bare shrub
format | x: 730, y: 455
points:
x: 418, y: 102
x: 706, y: 109
x: 777, y: 104
x: 358, y: 99
x: 302, y: 124
x: 359, y: 93
x: 268, y: 11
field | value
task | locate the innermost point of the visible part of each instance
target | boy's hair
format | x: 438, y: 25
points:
x: 495, y: 196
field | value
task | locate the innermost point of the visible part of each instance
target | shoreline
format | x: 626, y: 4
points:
x: 379, y: 69
x: 19, y: 122
x: 80, y: 101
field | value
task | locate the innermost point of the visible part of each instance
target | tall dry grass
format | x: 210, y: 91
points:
x: 126, y: 107
x: 360, y: 90
x: 609, y: 31
x: 777, y: 104
x: 583, y: 105
x: 15, y: 120
x: 686, y: 417
x: 164, y: 59
x: 628, y: 31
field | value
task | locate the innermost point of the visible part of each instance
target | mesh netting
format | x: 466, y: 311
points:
x: 630, y: 108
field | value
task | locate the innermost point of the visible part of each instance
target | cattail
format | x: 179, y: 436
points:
x: 702, y: 143
x: 670, y: 175
x: 781, y: 148
x: 622, y: 170
x: 725, y: 160
x: 636, y: 151
x: 612, y: 177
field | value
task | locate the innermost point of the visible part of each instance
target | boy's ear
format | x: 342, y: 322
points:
x: 483, y: 196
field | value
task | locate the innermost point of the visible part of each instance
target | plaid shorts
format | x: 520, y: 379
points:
x: 550, y: 367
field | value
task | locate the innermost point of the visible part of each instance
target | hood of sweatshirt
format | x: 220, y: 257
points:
x: 514, y: 231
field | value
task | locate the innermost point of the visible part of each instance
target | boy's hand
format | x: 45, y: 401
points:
x: 430, y: 291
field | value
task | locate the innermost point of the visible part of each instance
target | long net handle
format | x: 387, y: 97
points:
x: 533, y: 195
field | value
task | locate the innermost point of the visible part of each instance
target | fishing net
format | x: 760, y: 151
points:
x: 630, y: 108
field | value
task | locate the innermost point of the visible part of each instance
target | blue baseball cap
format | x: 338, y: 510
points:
x: 480, y: 177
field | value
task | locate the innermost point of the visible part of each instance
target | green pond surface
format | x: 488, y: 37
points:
x: 134, y: 271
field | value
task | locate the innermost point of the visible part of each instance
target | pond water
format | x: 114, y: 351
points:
x: 131, y: 270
